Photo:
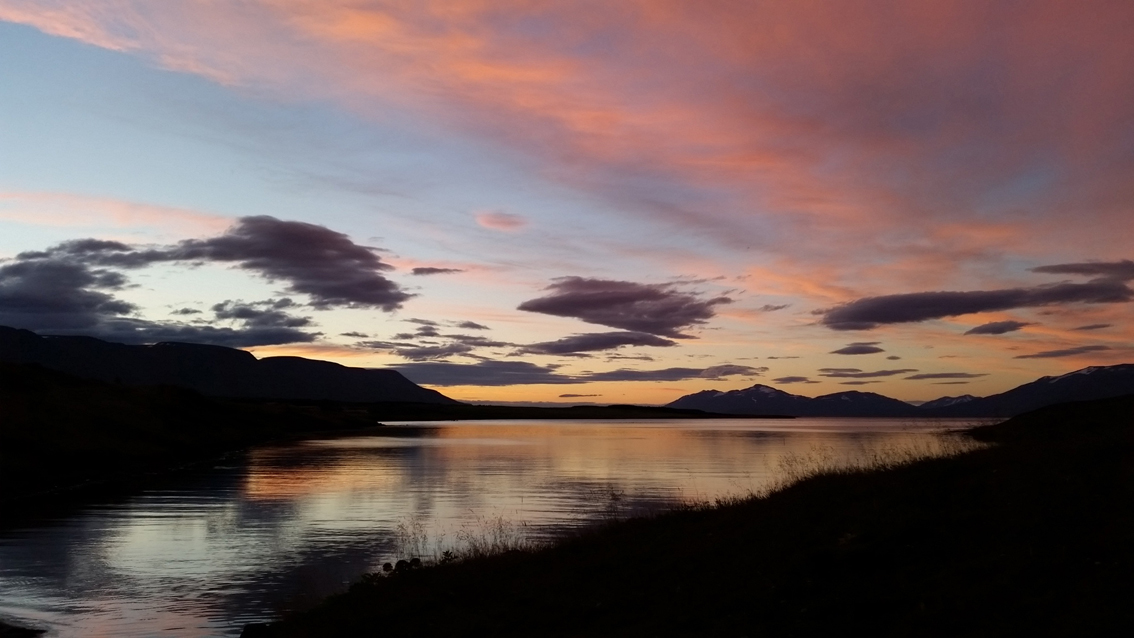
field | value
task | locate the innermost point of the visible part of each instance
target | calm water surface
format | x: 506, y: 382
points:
x: 287, y: 525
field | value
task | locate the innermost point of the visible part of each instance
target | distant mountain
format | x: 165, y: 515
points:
x: 1081, y: 385
x: 945, y: 402
x: 211, y: 370
x: 1096, y: 382
x: 762, y: 399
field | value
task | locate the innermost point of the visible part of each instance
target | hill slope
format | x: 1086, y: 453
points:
x: 59, y: 431
x: 211, y: 370
x: 1088, y: 384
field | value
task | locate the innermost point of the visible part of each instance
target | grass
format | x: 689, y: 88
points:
x: 497, y: 534
x: 485, y: 536
x: 820, y: 460
x: 1027, y: 534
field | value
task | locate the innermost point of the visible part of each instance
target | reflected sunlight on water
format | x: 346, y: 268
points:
x: 295, y: 522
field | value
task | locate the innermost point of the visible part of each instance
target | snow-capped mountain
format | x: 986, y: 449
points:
x: 1096, y: 382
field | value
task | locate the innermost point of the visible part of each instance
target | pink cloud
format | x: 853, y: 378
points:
x: 904, y: 142
x: 499, y: 220
x: 68, y: 209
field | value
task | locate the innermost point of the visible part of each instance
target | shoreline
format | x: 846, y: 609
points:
x: 1021, y: 536
x: 66, y: 440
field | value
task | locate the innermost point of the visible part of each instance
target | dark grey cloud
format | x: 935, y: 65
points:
x: 893, y: 357
x: 945, y: 375
x: 674, y: 374
x: 261, y: 314
x: 790, y: 380
x: 781, y: 357
x: 855, y: 373
x: 427, y: 270
x: 1094, y: 326
x: 53, y: 293
x: 356, y: 335
x: 430, y: 349
x: 483, y: 373
x: 871, y: 312
x: 771, y: 308
x: 1122, y: 270
x: 950, y: 383
x: 90, y: 251
x: 502, y: 373
x: 46, y: 293
x: 615, y: 356
x: 420, y: 352
x: 658, y: 309
x: 728, y: 370
x: 313, y: 260
x: 472, y: 325
x: 1067, y: 352
x: 997, y: 327
x: 68, y: 288
x: 858, y: 382
x: 861, y: 347
x: 477, y: 341
x: 139, y: 331
x: 577, y: 396
x: 596, y: 341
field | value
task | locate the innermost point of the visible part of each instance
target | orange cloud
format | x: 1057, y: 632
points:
x: 777, y: 119
x: 858, y: 148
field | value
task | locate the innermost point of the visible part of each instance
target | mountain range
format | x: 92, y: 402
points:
x: 1096, y: 382
x: 212, y: 370
x: 229, y: 372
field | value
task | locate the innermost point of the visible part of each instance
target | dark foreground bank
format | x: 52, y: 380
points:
x: 1030, y: 536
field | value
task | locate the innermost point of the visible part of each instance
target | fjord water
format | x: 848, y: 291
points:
x: 285, y: 525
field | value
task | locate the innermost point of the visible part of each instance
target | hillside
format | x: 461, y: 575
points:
x: 58, y: 431
x: 211, y: 370
x: 1096, y: 382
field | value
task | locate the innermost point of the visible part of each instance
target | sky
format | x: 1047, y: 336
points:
x: 580, y: 201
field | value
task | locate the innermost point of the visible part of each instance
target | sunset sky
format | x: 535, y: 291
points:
x: 580, y: 201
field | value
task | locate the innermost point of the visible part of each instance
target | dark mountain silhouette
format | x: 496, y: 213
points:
x: 212, y: 370
x: 945, y: 402
x: 1099, y: 382
x: 1088, y: 384
x: 761, y: 399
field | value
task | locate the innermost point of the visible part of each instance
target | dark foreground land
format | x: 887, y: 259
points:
x: 1032, y: 536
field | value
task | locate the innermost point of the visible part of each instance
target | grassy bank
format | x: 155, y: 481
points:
x: 1031, y: 535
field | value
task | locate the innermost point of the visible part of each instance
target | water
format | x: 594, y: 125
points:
x: 290, y: 524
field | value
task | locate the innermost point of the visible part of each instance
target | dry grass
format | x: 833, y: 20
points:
x: 486, y: 536
x: 794, y: 467
x: 497, y: 534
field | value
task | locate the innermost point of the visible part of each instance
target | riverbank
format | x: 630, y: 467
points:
x: 1030, y: 535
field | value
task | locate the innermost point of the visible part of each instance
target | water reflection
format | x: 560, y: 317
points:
x: 296, y: 522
